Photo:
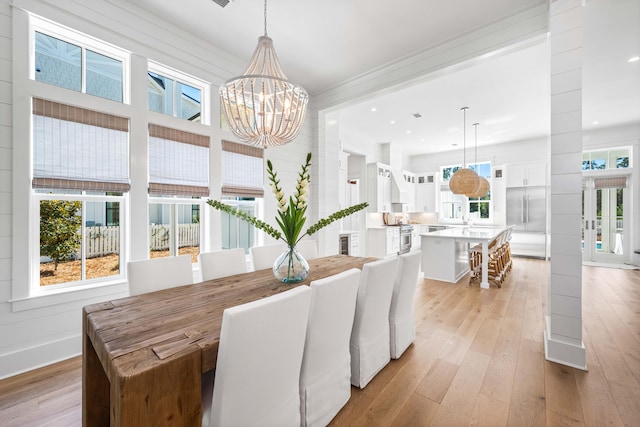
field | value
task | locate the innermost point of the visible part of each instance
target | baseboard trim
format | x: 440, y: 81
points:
x: 31, y: 358
x: 564, y: 353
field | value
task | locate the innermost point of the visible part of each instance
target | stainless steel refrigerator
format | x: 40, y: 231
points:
x: 527, y: 210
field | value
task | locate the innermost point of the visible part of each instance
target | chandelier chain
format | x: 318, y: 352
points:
x: 265, y: 17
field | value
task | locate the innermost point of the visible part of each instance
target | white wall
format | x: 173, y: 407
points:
x: 533, y: 150
x: 39, y: 331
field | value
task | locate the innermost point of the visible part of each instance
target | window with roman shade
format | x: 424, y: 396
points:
x: 242, y: 170
x: 178, y: 162
x: 79, y: 149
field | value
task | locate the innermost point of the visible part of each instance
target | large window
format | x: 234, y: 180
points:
x: 178, y: 181
x: 73, y: 61
x: 480, y: 208
x: 80, y: 172
x: 173, y: 227
x: 77, y: 155
x: 242, y: 187
x: 458, y: 206
x: 76, y: 245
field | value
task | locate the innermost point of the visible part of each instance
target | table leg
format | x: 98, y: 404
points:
x: 484, y: 283
x: 168, y: 394
x: 95, y: 387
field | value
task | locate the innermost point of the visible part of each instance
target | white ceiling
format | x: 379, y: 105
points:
x: 323, y: 43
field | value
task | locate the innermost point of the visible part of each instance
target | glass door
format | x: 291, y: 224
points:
x: 605, y: 216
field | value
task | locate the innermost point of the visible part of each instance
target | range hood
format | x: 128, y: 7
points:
x: 399, y: 187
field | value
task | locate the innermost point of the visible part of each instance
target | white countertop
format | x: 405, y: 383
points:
x: 473, y: 234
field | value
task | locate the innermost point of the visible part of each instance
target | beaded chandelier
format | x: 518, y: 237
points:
x: 261, y: 106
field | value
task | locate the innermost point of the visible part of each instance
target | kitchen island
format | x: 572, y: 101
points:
x: 445, y: 252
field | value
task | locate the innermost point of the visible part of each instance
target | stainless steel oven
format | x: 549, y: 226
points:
x: 405, y: 238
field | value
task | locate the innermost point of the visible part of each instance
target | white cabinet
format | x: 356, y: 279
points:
x: 526, y: 175
x: 379, y: 187
x: 426, y: 194
x: 410, y: 181
x: 349, y: 243
x: 354, y: 245
x: 382, y: 242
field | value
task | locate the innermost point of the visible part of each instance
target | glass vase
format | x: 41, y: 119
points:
x: 290, y: 266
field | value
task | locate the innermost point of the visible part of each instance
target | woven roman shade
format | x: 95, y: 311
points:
x: 79, y: 149
x: 242, y: 170
x: 178, y: 162
x: 613, y: 182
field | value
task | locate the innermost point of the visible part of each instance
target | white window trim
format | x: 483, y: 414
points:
x: 174, y: 201
x: 45, y: 26
x: 35, y: 288
x: 177, y: 76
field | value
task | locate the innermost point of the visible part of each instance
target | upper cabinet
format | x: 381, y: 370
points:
x: 526, y: 175
x: 379, y: 187
x: 426, y: 194
x: 410, y: 179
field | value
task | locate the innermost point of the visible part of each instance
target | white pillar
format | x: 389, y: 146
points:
x: 563, y: 332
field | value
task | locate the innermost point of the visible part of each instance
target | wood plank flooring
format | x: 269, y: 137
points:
x: 478, y: 360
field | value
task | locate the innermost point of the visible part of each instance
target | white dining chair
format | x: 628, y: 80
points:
x: 159, y: 273
x: 325, y: 384
x: 402, y: 325
x: 370, y: 350
x: 308, y: 249
x: 264, y: 256
x: 222, y: 263
x: 259, y: 358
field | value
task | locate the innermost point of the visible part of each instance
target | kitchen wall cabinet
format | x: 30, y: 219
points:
x: 426, y: 194
x: 382, y: 242
x: 526, y: 175
x: 410, y: 180
x: 379, y: 187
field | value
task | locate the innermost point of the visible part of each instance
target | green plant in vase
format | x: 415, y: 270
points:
x: 290, y: 267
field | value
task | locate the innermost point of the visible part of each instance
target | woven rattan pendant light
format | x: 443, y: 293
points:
x: 464, y: 181
x: 483, y: 188
x: 261, y: 106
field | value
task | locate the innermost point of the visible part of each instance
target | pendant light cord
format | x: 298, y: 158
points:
x: 464, y: 136
x: 475, y: 126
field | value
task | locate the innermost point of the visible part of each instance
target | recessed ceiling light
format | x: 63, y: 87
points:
x: 421, y: 139
x: 595, y: 122
x: 634, y: 59
x: 408, y: 132
x: 393, y: 122
x: 374, y: 109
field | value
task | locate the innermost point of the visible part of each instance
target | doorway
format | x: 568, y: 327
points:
x: 605, y: 219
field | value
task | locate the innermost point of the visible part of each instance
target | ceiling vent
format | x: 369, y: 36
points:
x: 417, y: 115
x: 222, y: 3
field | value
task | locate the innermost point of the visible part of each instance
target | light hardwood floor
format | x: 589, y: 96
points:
x: 478, y: 359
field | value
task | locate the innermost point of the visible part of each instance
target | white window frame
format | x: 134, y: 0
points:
x: 181, y: 77
x: 35, y: 287
x: 50, y: 28
x: 174, y: 202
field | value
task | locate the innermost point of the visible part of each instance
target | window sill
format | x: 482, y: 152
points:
x: 67, y: 295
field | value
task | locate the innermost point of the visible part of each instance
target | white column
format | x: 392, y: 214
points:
x: 563, y: 332
x: 139, y: 143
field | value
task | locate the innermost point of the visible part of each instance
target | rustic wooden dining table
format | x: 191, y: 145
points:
x: 143, y: 356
